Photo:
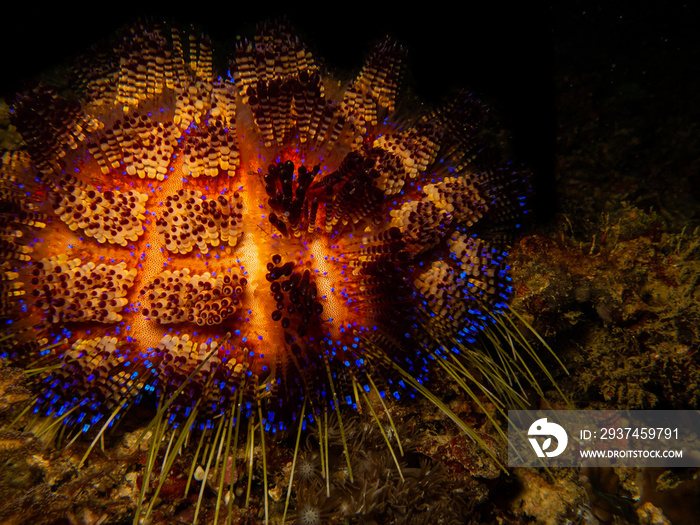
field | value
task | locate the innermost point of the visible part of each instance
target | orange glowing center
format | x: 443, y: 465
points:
x: 254, y: 323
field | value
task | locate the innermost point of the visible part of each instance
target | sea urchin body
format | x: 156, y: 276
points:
x: 254, y: 252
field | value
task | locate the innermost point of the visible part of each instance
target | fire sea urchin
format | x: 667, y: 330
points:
x: 257, y: 253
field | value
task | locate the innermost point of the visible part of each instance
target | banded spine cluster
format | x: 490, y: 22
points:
x: 71, y: 292
x: 190, y: 220
x: 149, y: 64
x: 51, y: 125
x: 20, y: 219
x: 210, y: 150
x: 112, y: 216
x: 441, y: 205
x: 462, y: 293
x: 375, y: 88
x: 278, y: 78
x: 100, y: 373
x: 405, y: 156
x: 225, y: 368
x: 143, y: 147
x: 206, y: 299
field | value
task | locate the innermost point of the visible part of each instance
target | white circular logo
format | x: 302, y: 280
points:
x: 542, y: 427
